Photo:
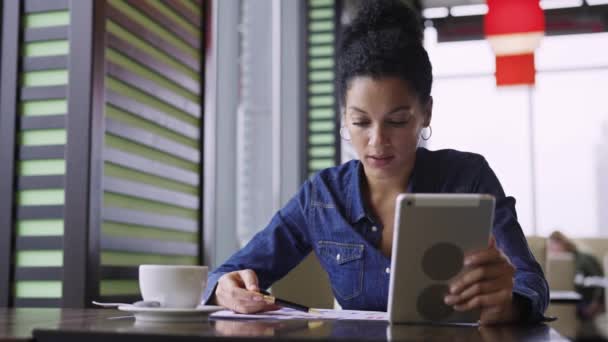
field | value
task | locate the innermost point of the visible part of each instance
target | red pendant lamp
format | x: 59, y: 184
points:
x: 514, y: 29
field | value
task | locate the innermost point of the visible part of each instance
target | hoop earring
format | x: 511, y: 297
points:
x: 430, y: 134
x: 342, y: 135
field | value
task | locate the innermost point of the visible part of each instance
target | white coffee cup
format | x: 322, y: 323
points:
x: 173, y: 286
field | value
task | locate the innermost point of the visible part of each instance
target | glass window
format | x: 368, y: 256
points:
x: 547, y: 144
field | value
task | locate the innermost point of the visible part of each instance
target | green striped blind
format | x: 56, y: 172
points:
x: 152, y: 139
x: 42, y: 194
x: 322, y: 151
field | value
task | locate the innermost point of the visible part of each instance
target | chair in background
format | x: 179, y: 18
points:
x: 308, y: 284
x: 537, y: 245
x: 560, y: 272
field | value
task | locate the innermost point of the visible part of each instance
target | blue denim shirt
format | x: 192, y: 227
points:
x: 329, y: 216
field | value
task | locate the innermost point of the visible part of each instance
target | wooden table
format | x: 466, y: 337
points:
x: 92, y: 325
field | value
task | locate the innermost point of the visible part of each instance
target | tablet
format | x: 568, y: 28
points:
x: 432, y: 233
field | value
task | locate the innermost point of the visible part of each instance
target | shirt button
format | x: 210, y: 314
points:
x: 387, y: 270
x: 338, y: 257
x: 374, y: 229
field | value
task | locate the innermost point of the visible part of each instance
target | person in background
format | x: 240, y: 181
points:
x: 586, y: 265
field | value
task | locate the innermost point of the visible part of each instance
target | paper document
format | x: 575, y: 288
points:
x: 286, y: 313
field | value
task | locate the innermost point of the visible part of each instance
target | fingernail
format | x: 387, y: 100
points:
x: 447, y: 300
x: 468, y: 261
x: 453, y: 289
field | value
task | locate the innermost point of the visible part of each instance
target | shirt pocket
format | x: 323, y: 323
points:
x: 344, y: 264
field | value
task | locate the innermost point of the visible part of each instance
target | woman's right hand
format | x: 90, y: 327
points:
x: 239, y: 292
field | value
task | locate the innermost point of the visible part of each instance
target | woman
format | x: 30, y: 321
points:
x: 345, y: 214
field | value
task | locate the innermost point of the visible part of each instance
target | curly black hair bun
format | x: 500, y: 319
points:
x: 384, y: 40
x: 377, y: 15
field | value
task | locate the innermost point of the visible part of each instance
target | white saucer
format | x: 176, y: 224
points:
x: 170, y: 314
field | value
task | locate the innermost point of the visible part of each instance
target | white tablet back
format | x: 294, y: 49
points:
x: 432, y: 232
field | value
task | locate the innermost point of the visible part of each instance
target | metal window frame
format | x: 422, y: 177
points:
x: 221, y: 85
x: 84, y: 162
x: 338, y: 120
x: 9, y: 97
x: 293, y: 104
x: 304, y: 70
x: 205, y: 30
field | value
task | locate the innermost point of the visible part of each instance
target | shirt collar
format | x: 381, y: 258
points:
x: 358, y: 211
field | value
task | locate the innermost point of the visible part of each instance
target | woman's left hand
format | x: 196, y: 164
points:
x: 486, y: 284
